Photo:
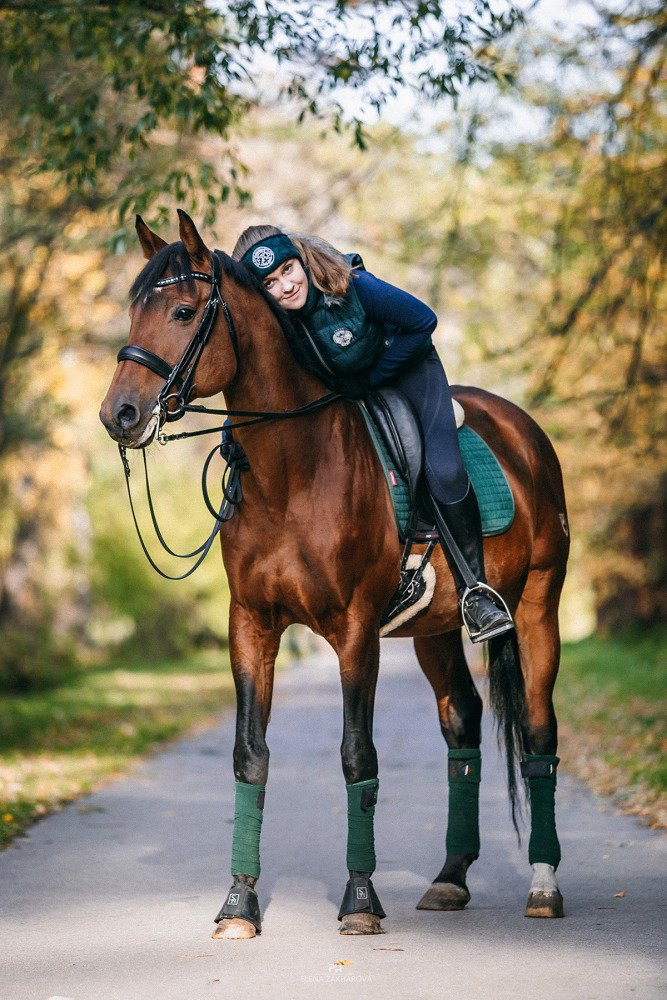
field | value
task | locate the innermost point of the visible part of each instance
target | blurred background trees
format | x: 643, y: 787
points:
x: 530, y: 212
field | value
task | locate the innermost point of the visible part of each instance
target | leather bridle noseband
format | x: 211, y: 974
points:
x: 180, y: 386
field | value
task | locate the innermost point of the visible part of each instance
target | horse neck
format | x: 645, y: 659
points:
x: 282, y: 454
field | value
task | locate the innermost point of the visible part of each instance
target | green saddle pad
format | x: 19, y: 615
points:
x: 494, y: 496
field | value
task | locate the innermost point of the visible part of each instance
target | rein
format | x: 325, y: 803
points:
x: 180, y: 386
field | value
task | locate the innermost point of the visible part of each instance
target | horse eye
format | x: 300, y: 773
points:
x: 184, y: 313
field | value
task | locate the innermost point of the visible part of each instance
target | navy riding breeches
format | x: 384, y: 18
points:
x: 427, y: 388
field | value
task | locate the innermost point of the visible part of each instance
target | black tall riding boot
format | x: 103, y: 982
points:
x: 483, y: 617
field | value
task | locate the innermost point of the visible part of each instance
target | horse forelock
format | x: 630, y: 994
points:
x: 171, y: 260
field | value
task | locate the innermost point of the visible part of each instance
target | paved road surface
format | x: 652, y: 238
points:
x: 113, y: 898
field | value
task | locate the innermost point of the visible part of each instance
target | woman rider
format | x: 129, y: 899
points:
x: 323, y: 288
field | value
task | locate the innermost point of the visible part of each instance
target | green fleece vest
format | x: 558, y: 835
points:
x: 345, y: 338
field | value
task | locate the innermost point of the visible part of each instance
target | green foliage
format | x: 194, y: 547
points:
x: 89, y: 91
x: 612, y: 697
x: 57, y: 745
x: 31, y: 657
x: 165, y: 621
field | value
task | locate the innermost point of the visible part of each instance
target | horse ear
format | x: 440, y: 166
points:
x: 194, y: 244
x: 150, y: 241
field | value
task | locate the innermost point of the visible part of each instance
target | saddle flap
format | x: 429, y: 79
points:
x: 396, y: 420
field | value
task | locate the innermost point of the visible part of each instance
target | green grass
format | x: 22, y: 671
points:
x: 611, y: 698
x: 58, y: 744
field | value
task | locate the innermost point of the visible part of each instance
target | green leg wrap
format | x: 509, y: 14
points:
x: 465, y: 774
x: 361, y: 799
x: 540, y: 769
x: 248, y: 812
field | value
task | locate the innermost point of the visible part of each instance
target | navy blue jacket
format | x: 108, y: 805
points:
x: 409, y: 320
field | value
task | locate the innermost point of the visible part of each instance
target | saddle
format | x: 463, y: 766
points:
x: 396, y: 433
x: 397, y: 436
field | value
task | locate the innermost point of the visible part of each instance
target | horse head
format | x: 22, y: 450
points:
x: 179, y: 347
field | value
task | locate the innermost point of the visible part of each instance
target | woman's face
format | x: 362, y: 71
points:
x: 289, y: 284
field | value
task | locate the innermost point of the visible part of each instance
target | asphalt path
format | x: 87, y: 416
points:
x: 113, y: 898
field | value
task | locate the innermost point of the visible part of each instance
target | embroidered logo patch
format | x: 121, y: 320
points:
x: 342, y: 337
x: 362, y: 892
x: 233, y: 899
x: 263, y: 257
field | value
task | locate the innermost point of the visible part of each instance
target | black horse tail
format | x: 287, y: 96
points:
x: 508, y: 701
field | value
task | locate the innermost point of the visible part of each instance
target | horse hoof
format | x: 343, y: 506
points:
x: 360, y: 923
x: 444, y: 896
x: 234, y: 929
x: 544, y: 904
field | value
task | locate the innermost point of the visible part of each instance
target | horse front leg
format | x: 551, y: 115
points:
x: 253, y: 647
x: 358, y: 648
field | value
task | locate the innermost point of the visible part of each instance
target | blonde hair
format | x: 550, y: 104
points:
x: 329, y: 270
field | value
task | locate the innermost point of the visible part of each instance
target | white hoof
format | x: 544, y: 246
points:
x: 544, y: 878
x: 544, y: 898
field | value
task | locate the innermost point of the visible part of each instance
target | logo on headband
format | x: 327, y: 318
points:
x: 263, y: 257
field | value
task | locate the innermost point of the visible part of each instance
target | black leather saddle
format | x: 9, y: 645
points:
x: 396, y: 420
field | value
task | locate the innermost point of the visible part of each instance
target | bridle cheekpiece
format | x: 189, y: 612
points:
x: 179, y: 378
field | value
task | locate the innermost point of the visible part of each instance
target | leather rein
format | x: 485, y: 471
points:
x: 180, y: 386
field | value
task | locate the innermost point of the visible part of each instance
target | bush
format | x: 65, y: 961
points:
x: 31, y: 659
x: 166, y: 620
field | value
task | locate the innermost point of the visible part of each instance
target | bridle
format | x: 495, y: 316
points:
x: 180, y: 378
x: 180, y: 386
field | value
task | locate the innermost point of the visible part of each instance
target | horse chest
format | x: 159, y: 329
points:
x: 298, y: 575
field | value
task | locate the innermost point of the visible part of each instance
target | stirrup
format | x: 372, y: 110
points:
x: 241, y: 902
x: 477, y: 635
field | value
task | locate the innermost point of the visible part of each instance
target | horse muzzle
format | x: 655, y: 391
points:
x: 126, y: 424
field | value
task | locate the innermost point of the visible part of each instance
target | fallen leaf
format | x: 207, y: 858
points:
x: 343, y: 961
x: 619, y: 895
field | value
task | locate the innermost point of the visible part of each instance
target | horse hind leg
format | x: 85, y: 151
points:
x: 539, y: 643
x: 460, y: 712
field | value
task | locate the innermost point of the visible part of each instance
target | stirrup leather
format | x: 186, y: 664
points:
x: 478, y: 635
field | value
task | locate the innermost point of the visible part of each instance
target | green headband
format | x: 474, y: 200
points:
x: 265, y: 256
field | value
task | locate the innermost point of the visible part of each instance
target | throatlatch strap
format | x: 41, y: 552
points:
x: 361, y: 799
x: 248, y: 812
x: 540, y: 769
x: 464, y: 774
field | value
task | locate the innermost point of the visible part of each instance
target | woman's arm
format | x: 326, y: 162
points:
x: 406, y: 317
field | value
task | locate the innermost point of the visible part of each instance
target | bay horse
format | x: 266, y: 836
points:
x: 315, y: 541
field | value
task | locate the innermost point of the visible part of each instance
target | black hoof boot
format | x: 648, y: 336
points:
x: 241, y: 902
x: 360, y: 897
